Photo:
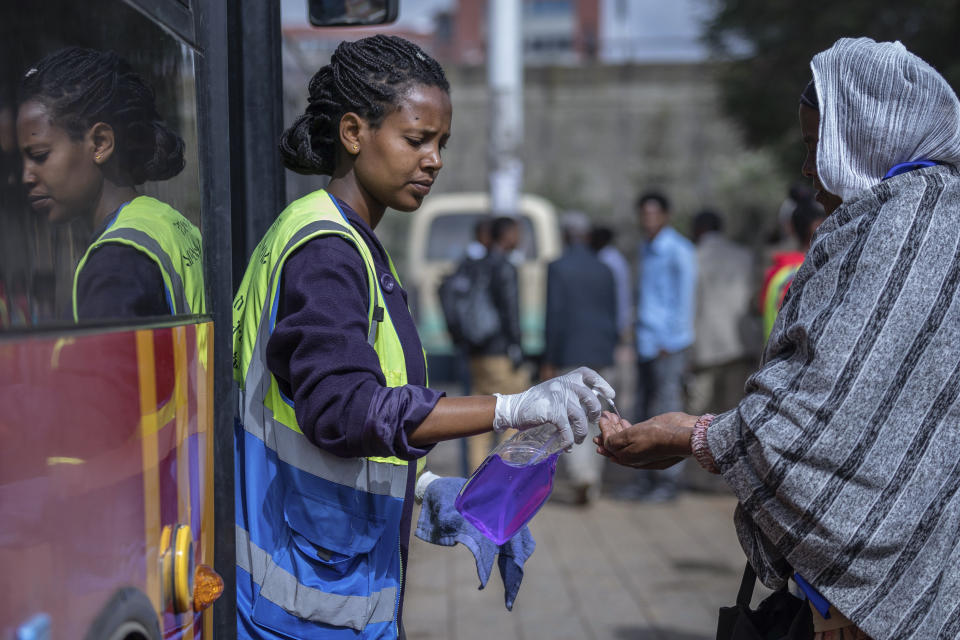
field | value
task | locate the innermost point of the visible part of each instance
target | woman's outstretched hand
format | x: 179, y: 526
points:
x: 658, y: 443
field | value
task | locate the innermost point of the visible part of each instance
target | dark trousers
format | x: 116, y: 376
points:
x: 659, y: 390
x: 660, y: 385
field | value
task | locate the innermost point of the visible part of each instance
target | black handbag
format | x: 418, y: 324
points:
x: 781, y: 616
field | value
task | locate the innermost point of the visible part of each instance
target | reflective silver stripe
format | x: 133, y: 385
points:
x: 381, y: 478
x: 147, y: 242
x: 281, y: 587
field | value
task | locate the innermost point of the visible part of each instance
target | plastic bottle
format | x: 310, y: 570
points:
x: 514, y: 480
x: 511, y: 485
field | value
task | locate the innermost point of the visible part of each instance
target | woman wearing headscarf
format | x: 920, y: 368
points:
x: 843, y: 453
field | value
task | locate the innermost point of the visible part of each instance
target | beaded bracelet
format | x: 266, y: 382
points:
x: 699, y: 444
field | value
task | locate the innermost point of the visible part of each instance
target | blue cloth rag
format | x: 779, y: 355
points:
x: 440, y: 523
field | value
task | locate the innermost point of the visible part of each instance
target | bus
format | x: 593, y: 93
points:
x: 116, y: 434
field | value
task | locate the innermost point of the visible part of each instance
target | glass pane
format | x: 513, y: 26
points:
x: 330, y: 13
x: 450, y: 234
x: 100, y: 183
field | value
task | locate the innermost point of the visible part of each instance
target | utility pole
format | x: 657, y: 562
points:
x: 505, y: 80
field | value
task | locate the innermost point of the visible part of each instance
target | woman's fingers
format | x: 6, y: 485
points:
x: 609, y: 425
x: 612, y: 422
x: 647, y: 445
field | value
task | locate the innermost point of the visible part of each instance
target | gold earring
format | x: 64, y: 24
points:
x: 98, y: 156
x: 356, y: 148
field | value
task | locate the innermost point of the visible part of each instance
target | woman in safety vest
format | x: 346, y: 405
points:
x: 334, y: 403
x: 90, y: 134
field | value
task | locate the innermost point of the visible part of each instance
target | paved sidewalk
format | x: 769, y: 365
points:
x: 613, y: 570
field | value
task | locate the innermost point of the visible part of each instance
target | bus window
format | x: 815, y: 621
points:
x: 99, y: 197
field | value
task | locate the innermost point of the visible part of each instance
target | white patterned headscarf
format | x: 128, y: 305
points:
x: 880, y: 105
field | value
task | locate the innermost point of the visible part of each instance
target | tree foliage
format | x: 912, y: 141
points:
x: 767, y: 46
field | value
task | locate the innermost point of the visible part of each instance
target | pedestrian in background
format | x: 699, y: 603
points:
x: 601, y: 241
x: 466, y: 301
x: 806, y: 218
x: 665, y: 314
x: 496, y: 366
x: 580, y: 329
x: 478, y: 247
x: 726, y: 333
x: 727, y: 341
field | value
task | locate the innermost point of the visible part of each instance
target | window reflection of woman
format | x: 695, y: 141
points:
x: 89, y: 135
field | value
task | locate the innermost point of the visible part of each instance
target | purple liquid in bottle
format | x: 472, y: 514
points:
x: 499, y: 498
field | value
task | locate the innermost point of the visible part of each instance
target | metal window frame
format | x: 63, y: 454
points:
x: 177, y: 16
x: 239, y: 114
x: 214, y: 148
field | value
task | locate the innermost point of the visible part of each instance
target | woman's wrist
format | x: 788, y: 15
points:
x: 681, y: 427
x: 699, y: 445
x: 453, y: 418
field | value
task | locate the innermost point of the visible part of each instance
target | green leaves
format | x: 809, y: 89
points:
x: 767, y: 46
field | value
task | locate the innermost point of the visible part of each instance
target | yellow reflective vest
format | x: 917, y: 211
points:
x: 172, y: 242
x: 317, y: 536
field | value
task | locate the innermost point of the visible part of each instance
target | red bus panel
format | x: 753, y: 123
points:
x: 105, y: 440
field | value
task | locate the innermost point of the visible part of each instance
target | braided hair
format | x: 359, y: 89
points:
x: 367, y: 77
x: 81, y: 87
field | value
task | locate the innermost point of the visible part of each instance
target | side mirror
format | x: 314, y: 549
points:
x: 351, y: 13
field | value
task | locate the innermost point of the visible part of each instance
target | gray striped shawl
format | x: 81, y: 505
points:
x: 845, y: 451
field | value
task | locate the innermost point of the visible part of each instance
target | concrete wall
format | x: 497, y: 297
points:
x: 596, y: 136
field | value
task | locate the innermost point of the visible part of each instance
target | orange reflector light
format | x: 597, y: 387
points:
x: 207, y: 587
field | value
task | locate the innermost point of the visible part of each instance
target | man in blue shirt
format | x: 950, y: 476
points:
x: 665, y: 312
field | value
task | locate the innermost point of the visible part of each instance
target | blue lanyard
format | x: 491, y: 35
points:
x: 904, y: 167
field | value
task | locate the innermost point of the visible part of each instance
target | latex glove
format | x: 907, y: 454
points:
x: 568, y: 402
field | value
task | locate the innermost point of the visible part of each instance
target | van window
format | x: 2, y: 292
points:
x: 450, y: 233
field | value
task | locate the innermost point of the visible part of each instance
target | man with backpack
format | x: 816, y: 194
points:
x: 481, y: 304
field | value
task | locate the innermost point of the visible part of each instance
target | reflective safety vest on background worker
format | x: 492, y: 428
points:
x: 166, y: 237
x: 776, y: 282
x: 318, y: 536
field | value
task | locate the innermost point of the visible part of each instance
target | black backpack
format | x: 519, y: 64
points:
x: 472, y: 319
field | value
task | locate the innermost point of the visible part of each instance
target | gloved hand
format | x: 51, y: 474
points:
x: 568, y: 401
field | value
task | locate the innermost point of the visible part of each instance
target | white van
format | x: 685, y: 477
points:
x: 439, y: 235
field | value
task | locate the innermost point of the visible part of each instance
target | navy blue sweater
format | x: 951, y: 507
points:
x: 119, y: 281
